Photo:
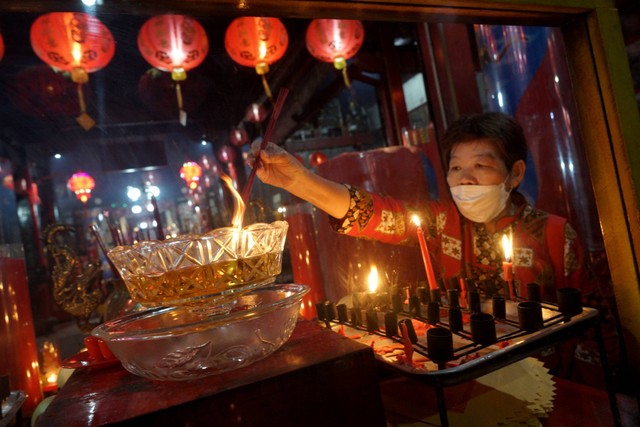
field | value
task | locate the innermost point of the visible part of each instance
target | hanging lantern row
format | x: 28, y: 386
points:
x: 74, y: 42
x: 174, y: 43
x: 79, y: 44
x: 191, y: 173
x: 81, y: 183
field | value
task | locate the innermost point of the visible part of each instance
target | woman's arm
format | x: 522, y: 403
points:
x: 279, y: 168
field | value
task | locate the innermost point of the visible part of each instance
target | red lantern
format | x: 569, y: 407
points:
x: 81, y: 183
x: 256, y: 42
x: 226, y: 154
x: 238, y: 137
x: 174, y: 43
x: 335, y: 41
x: 256, y: 113
x: 191, y: 173
x: 1, y: 47
x: 74, y: 42
x: 317, y: 158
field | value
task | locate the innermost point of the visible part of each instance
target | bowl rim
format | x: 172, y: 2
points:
x: 106, y: 331
x: 145, y: 245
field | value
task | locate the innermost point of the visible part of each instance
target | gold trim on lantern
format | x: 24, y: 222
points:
x: 79, y: 75
x: 179, y: 74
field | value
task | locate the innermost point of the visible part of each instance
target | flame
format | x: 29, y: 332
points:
x: 507, y: 245
x: 238, y: 213
x: 415, y: 220
x: 373, y: 279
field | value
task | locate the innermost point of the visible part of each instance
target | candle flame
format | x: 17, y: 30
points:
x: 52, y: 378
x: 416, y: 220
x: 238, y: 212
x: 507, y: 245
x: 373, y: 279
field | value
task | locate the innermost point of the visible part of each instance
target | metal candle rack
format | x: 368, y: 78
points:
x: 511, y: 343
x: 367, y: 320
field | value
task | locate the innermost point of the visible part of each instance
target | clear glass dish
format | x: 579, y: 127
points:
x: 202, y: 270
x: 175, y: 343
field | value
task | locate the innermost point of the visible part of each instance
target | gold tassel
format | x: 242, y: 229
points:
x: 345, y: 76
x: 267, y: 89
x: 83, y: 118
x: 182, y: 115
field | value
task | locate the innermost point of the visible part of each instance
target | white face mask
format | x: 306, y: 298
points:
x: 480, y: 203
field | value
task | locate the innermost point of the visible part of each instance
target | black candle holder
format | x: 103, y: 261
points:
x: 390, y: 324
x: 530, y: 316
x: 455, y: 319
x: 483, y: 328
x: 569, y: 301
x: 533, y: 292
x: 499, y: 307
x: 440, y: 346
x: 343, y: 316
x: 433, y: 313
x: 453, y: 295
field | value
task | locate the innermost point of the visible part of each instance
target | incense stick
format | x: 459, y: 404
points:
x: 277, y: 109
x: 96, y: 233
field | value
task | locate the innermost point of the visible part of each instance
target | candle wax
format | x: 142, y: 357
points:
x: 431, y: 277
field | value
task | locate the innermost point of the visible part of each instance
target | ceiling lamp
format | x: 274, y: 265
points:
x: 335, y: 41
x: 256, y: 42
x: 74, y: 42
x: 191, y: 173
x: 174, y: 43
x: 81, y: 183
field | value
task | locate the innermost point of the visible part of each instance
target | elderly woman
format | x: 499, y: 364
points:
x: 485, y: 156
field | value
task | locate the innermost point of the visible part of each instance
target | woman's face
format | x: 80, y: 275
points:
x: 475, y: 163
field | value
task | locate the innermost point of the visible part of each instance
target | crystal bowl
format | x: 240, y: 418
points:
x: 175, y: 343
x: 202, y: 270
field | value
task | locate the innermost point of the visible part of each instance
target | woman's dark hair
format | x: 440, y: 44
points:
x: 498, y: 129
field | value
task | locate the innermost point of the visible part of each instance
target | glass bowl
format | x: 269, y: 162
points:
x: 202, y: 270
x: 174, y: 343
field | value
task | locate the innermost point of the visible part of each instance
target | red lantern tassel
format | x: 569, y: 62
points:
x: 267, y: 89
x: 345, y: 76
x: 182, y: 115
x: 83, y: 118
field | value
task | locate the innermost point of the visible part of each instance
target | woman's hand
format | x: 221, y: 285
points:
x: 279, y: 168
x: 276, y: 166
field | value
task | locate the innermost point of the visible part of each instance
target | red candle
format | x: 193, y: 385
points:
x: 431, y: 277
x: 507, y: 265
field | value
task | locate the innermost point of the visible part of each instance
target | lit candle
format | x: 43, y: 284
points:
x: 431, y: 277
x: 507, y: 265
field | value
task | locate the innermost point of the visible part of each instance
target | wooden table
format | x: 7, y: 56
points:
x: 317, y: 378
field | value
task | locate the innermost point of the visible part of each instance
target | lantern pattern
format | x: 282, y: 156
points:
x: 256, y: 42
x: 74, y: 42
x: 335, y: 41
x: 191, y: 173
x: 174, y: 43
x: 81, y: 183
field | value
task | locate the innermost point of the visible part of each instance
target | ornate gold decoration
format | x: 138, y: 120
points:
x: 75, y: 289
